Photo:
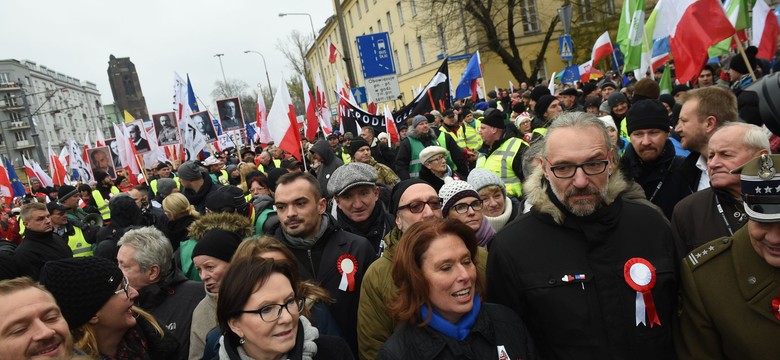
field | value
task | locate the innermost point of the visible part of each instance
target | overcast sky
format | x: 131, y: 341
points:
x: 76, y: 37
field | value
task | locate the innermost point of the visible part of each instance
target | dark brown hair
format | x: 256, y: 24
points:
x: 407, y: 265
x: 290, y: 177
x: 234, y: 292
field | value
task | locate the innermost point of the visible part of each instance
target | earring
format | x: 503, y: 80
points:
x: 241, y: 341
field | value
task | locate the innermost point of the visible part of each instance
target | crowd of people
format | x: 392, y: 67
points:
x: 602, y: 220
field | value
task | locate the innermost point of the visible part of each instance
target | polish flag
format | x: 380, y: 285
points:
x: 584, y: 69
x: 282, y: 123
x: 371, y: 108
x: 344, y: 90
x: 262, y: 117
x: 312, y: 123
x: 390, y: 127
x: 100, y: 140
x: 332, y: 53
x: 698, y: 24
x: 32, y: 169
x: 602, y: 48
x: 126, y: 150
x: 765, y: 30
x: 58, y: 171
x: 323, y: 110
x: 5, y: 187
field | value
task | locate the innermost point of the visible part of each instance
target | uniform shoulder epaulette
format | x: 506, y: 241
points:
x: 708, y: 251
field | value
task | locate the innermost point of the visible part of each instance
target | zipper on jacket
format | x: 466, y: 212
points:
x: 311, y: 262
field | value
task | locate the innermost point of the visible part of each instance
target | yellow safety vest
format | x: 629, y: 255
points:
x: 500, y: 163
x: 115, y: 190
x: 78, y: 244
x: 153, y: 184
x: 345, y: 158
x: 102, y: 205
x: 459, y: 137
x: 471, y: 135
x: 21, y: 224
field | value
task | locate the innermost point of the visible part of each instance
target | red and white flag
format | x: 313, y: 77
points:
x: 33, y: 169
x: 332, y: 53
x: 58, y: 172
x: 343, y: 90
x: 282, y: 123
x: 310, y: 104
x: 5, y: 186
x: 584, y: 69
x: 323, y: 109
x: 262, y: 117
x: 602, y: 48
x: 371, y: 107
x: 765, y: 30
x: 100, y: 140
x: 127, y: 153
x: 390, y: 127
x: 701, y: 24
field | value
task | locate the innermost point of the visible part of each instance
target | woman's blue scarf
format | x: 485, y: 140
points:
x: 459, y: 330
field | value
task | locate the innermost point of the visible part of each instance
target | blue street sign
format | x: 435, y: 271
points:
x: 376, y: 56
x: 566, y: 47
x: 459, y: 57
x: 359, y: 93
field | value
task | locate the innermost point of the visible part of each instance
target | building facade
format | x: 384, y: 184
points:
x: 61, y: 107
x: 126, y: 87
x: 419, y: 43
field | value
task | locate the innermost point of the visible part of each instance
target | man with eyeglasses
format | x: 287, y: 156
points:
x: 651, y: 161
x: 412, y: 201
x: 592, y: 273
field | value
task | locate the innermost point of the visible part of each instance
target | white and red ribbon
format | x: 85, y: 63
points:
x: 640, y: 276
x: 347, y: 266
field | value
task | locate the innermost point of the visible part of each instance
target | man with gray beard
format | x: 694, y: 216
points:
x: 592, y: 273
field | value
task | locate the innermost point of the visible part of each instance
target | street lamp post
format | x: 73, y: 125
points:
x: 270, y: 91
x: 219, y: 56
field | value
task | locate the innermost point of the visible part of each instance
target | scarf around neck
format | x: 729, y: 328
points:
x: 485, y: 233
x: 499, y: 221
x: 459, y: 330
x: 300, y: 243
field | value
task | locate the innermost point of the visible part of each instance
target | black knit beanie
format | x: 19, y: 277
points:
x: 738, y: 64
x: 355, y: 145
x: 494, y: 118
x: 81, y: 286
x: 542, y: 104
x: 538, y: 91
x: 399, y: 190
x: 217, y: 243
x: 647, y: 114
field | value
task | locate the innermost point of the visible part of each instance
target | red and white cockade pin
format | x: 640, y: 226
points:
x: 347, y: 265
x: 640, y: 276
x: 776, y: 307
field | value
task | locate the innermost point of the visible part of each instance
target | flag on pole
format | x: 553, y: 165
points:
x: 469, y: 81
x: 262, y: 117
x: 344, y: 90
x: 283, y: 124
x: 697, y: 24
x: 666, y: 81
x: 331, y: 52
x: 584, y: 70
x: 191, y: 98
x: 511, y: 87
x: 5, y: 187
x: 126, y: 150
x: 601, y: 48
x: 371, y: 107
x: 16, y: 185
x: 78, y: 163
x: 570, y: 74
x: 765, y: 30
x: 36, y: 171
x: 312, y: 123
x: 323, y: 109
x: 128, y: 118
x: 58, y: 172
x: 737, y: 13
x: 630, y: 33
x: 100, y: 139
x: 390, y: 127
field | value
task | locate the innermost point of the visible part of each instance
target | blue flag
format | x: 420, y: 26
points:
x: 16, y: 185
x: 571, y: 74
x: 250, y: 133
x: 617, y: 60
x: 472, y: 74
x: 191, y: 96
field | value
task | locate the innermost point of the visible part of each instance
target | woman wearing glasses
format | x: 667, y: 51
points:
x: 435, y: 170
x: 97, y: 302
x: 262, y: 321
x: 462, y: 203
x: 438, y: 301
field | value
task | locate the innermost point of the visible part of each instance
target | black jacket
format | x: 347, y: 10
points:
x: 329, y: 164
x: 374, y: 228
x: 198, y: 199
x: 328, y: 348
x: 664, y: 171
x: 591, y: 316
x: 38, y: 248
x: 496, y: 325
x: 319, y: 263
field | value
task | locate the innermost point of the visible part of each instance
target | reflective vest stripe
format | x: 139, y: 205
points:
x: 153, y: 184
x: 500, y: 163
x: 78, y: 244
x: 102, y: 206
x: 471, y: 134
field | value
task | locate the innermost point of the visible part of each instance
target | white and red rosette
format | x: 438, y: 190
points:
x: 776, y: 307
x: 347, y: 266
x: 640, y: 276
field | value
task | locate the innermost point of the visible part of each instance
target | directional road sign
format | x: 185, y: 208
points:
x: 565, y: 47
x: 376, y: 56
x: 359, y: 93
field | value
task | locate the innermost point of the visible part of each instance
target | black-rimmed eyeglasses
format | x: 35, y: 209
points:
x: 462, y: 208
x: 272, y: 312
x: 417, y: 207
x: 567, y: 171
x: 125, y: 289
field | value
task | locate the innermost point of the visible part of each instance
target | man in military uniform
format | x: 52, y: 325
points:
x: 731, y: 286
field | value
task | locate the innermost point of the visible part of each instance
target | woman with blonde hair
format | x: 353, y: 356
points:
x: 97, y: 302
x: 180, y: 214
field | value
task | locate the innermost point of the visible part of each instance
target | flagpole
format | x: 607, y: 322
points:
x: 141, y: 168
x: 744, y: 56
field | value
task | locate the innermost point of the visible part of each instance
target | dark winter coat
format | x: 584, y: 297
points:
x: 38, y: 248
x: 198, y: 199
x: 379, y: 224
x: 329, y: 164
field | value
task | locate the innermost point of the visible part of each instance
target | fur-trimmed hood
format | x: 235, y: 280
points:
x: 535, y: 189
x: 226, y: 221
x: 412, y: 133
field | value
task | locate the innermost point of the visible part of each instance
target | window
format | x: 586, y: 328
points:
x: 15, y: 116
x: 379, y: 25
x: 442, y: 39
x: 360, y: 12
x: 408, y: 57
x: 420, y: 49
x: 395, y: 58
x: 351, y: 22
x: 542, y: 73
x: 586, y: 11
x: 414, y: 8
x: 400, y: 13
x: 2, y: 140
x: 389, y: 23
x: 609, y: 7
x: 25, y: 154
x: 20, y: 136
x: 370, y: 30
x: 5, y: 78
x: 366, y: 3
x: 529, y: 16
